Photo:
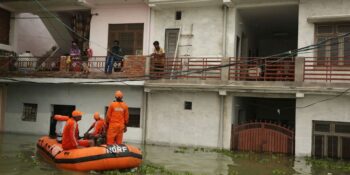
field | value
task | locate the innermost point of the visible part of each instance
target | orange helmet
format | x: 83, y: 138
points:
x: 76, y: 113
x: 97, y: 116
x: 118, y: 94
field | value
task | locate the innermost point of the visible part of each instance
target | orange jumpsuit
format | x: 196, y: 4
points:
x: 99, y: 126
x: 117, y: 119
x: 71, y: 135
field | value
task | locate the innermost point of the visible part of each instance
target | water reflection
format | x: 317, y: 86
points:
x: 18, y: 156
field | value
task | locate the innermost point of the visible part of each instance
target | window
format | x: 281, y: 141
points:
x: 330, y: 139
x: 130, y: 37
x: 188, y: 105
x: 178, y: 15
x: 29, y: 112
x: 134, y: 117
x: 4, y: 26
x: 333, y: 51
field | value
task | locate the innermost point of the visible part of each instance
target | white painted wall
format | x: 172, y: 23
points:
x: 207, y: 29
x: 231, y: 31
x: 168, y: 122
x: 117, y: 14
x: 331, y: 110
x: 310, y: 8
x: 32, y: 35
x: 87, y: 98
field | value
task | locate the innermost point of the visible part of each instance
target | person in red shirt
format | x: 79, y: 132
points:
x: 98, y: 127
x: 117, y: 119
x: 70, y: 138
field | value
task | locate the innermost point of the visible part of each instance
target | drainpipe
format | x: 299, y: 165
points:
x: 224, y: 31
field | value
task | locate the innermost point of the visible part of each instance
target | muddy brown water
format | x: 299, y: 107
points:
x: 18, y: 156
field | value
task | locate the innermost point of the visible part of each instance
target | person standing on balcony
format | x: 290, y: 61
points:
x: 157, y: 51
x: 75, y: 56
x: 114, y: 56
x: 158, y: 57
x: 74, y: 51
x: 117, y: 119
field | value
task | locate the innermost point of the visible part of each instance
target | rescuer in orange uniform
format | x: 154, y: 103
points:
x: 98, y: 126
x: 117, y: 119
x: 71, y: 133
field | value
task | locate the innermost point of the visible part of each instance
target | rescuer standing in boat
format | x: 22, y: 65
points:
x: 117, y: 119
x: 71, y: 133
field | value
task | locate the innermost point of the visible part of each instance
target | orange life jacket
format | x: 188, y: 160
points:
x: 118, y: 113
x: 70, y: 135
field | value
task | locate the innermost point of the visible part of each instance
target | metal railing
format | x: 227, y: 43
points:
x: 53, y: 64
x: 185, y: 68
x: 326, y: 69
x: 262, y: 69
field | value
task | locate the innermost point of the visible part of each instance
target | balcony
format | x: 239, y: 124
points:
x: 327, y: 69
x: 234, y: 69
x: 278, y: 69
x: 133, y: 67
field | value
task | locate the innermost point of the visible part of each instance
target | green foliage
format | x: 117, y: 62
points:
x: 146, y: 169
x: 328, y: 164
x: 278, y: 172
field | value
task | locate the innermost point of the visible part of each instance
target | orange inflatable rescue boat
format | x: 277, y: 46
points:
x: 104, y: 157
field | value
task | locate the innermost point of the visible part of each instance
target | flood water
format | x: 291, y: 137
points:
x: 18, y: 156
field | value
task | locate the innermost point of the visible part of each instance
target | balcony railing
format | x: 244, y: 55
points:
x: 262, y: 69
x: 239, y: 69
x: 186, y: 68
x: 64, y: 67
x: 310, y: 69
x: 334, y: 69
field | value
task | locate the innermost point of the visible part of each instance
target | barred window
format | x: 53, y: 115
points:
x: 130, y: 37
x: 134, y: 117
x: 29, y: 112
x: 333, y: 49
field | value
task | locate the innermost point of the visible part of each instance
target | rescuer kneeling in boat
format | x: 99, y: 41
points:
x: 117, y: 119
x: 98, y: 134
x: 71, y: 133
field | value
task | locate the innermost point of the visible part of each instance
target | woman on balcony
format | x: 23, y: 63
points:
x: 75, y: 57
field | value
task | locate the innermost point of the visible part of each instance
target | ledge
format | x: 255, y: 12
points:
x: 328, y: 18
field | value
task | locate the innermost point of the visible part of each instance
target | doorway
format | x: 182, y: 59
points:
x: 263, y: 124
x: 59, y: 110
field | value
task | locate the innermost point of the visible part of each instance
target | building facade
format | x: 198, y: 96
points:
x: 229, y: 63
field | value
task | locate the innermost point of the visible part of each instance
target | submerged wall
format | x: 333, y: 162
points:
x: 336, y: 109
x: 86, y: 98
x: 169, y: 123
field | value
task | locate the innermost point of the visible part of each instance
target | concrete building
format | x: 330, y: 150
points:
x: 230, y: 63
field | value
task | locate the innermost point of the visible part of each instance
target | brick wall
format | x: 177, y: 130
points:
x: 133, y: 66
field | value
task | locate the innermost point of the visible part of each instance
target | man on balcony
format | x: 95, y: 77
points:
x: 158, y: 57
x: 114, y: 57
